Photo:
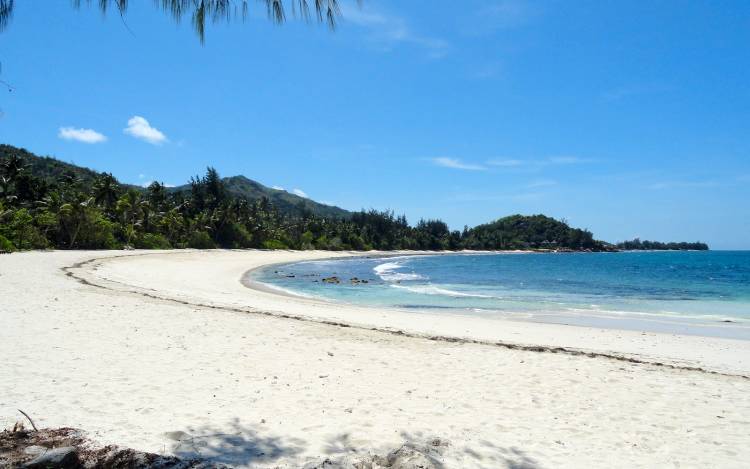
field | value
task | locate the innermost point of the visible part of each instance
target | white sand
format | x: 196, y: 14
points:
x: 166, y: 346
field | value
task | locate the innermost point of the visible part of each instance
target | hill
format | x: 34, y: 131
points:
x: 52, y: 170
x: 287, y: 203
x: 47, y: 168
x: 42, y: 206
x: 531, y: 232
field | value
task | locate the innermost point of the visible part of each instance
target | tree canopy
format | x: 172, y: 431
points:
x: 45, y: 203
x: 645, y: 245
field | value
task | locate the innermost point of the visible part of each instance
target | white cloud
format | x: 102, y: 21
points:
x: 139, y: 128
x: 507, y: 13
x: 496, y: 15
x: 487, y: 70
x: 551, y: 161
x: 541, y: 183
x: 683, y: 185
x: 278, y: 188
x: 388, y: 31
x: 516, y: 197
x: 455, y: 163
x: 634, y: 90
x: 81, y: 135
x: 506, y: 163
x: 299, y: 192
x: 565, y: 160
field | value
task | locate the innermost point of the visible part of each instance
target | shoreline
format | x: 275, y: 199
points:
x: 168, y: 353
x: 718, y: 326
x: 225, y: 289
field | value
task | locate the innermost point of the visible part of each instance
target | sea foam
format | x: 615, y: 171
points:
x: 430, y: 289
x: 387, y: 272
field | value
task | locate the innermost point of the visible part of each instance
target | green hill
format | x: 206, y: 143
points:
x: 531, y: 232
x: 285, y: 202
x: 47, y: 168
x: 51, y: 170
x: 42, y: 206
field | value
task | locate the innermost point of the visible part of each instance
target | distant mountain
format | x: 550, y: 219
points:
x: 285, y: 202
x: 52, y: 169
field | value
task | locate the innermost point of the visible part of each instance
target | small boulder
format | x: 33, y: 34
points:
x: 58, y: 457
x: 409, y: 457
x: 34, y: 450
x: 333, y: 279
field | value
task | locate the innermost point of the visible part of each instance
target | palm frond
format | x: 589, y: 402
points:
x: 6, y: 13
x: 200, y: 11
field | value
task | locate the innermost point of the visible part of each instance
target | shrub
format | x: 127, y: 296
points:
x: 96, y: 233
x: 201, y: 240
x: 22, y: 233
x: 6, y: 245
x: 306, y: 240
x: 234, y: 235
x: 152, y: 241
x: 274, y: 244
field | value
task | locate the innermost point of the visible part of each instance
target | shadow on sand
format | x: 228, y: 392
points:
x: 243, y: 445
x: 240, y: 445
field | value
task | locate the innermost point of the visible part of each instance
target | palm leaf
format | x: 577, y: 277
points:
x: 6, y: 13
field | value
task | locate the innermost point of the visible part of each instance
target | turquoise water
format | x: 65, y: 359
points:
x: 704, y: 293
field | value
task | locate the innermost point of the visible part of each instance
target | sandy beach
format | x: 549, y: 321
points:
x: 169, y: 352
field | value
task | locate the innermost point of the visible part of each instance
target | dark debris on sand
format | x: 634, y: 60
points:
x: 67, y: 448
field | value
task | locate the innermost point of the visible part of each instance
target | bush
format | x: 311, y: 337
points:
x: 201, y: 240
x: 234, y: 235
x: 274, y: 244
x: 306, y: 240
x: 22, y: 233
x: 152, y: 241
x: 96, y: 233
x: 6, y: 245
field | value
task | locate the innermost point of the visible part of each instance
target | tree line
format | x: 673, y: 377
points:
x: 645, y: 245
x: 63, y: 210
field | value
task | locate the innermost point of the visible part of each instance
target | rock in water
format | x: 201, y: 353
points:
x: 333, y: 279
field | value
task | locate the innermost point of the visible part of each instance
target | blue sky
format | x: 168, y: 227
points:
x: 627, y: 118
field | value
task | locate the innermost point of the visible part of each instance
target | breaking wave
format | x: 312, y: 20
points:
x: 436, y: 290
x: 387, y: 272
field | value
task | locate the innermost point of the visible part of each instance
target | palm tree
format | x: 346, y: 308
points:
x: 106, y: 190
x: 73, y: 216
x: 157, y: 196
x: 10, y: 169
x: 200, y: 11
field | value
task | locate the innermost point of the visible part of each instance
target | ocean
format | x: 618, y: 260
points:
x: 703, y: 293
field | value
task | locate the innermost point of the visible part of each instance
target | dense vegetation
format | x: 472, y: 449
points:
x: 244, y: 188
x: 45, y: 203
x: 538, y: 231
x: 638, y: 245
